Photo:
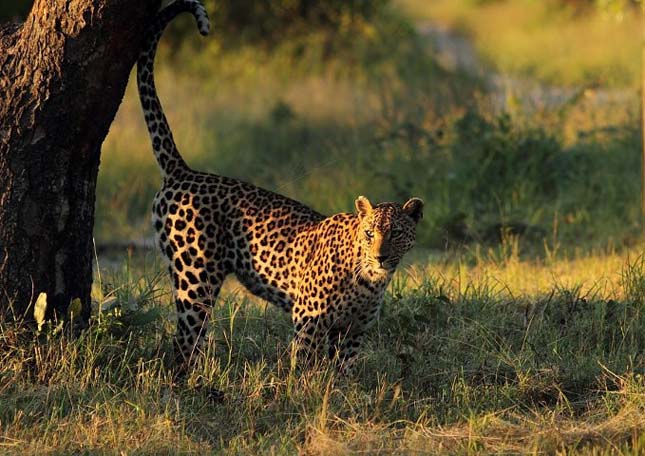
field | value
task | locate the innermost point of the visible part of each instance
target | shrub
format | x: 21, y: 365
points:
x: 498, y: 161
x: 260, y: 20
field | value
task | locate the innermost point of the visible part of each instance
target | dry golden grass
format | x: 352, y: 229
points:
x: 453, y: 367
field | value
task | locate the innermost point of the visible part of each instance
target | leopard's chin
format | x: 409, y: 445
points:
x: 381, y: 269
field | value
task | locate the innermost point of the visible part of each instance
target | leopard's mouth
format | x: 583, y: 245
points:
x: 387, y: 265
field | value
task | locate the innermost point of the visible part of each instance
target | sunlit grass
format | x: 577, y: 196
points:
x: 541, y: 39
x: 504, y: 273
x: 473, y: 355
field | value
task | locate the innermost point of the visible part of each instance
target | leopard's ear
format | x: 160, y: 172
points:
x: 363, y: 206
x: 414, y: 208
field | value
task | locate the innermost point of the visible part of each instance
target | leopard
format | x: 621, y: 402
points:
x: 330, y: 273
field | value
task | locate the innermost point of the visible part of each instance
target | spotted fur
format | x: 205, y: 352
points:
x: 329, y: 273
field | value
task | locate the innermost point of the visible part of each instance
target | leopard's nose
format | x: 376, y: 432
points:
x: 381, y: 258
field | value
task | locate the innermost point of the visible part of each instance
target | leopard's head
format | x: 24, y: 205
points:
x: 386, y: 232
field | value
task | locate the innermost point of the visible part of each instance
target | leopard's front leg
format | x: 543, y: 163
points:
x: 345, y: 350
x: 311, y: 340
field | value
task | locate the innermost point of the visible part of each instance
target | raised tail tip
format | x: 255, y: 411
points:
x: 204, y: 26
x: 203, y: 23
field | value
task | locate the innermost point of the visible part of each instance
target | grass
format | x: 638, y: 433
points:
x: 517, y: 325
x: 544, y: 40
x: 466, y: 359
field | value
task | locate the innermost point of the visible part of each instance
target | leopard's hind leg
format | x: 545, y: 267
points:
x: 196, y: 285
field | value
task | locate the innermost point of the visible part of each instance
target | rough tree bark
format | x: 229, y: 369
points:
x: 62, y: 77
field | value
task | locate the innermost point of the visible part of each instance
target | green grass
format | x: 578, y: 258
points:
x: 461, y: 361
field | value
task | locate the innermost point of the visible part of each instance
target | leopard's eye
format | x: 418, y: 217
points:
x: 369, y: 234
x: 396, y: 232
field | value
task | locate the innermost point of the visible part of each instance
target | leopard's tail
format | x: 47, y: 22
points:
x: 163, y: 143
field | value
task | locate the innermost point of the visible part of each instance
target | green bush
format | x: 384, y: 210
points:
x: 258, y: 20
x: 498, y: 160
x: 262, y: 21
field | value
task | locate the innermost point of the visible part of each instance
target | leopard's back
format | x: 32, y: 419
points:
x: 258, y: 235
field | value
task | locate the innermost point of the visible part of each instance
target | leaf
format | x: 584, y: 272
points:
x: 40, y: 307
x: 75, y: 308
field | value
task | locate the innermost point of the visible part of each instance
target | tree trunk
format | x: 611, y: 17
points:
x: 62, y: 77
